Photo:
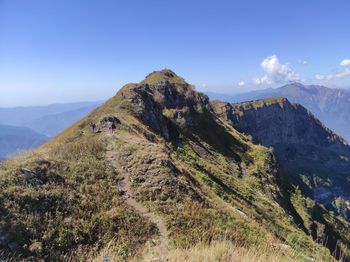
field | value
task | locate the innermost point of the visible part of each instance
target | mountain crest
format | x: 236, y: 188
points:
x: 163, y: 76
x: 291, y: 121
x: 281, y: 101
x: 161, y: 98
x: 169, y: 171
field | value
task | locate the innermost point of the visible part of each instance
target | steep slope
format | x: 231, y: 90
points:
x: 15, y: 139
x: 315, y: 157
x: 330, y: 105
x: 171, y: 163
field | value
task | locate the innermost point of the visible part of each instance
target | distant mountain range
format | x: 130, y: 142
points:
x: 14, y: 139
x: 23, y: 128
x: 20, y: 116
x: 330, y: 105
x: 52, y: 125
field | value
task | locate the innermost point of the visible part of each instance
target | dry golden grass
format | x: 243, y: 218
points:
x: 227, y: 251
x: 218, y: 251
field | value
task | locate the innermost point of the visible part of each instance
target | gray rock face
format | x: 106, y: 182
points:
x: 312, y: 155
x: 37, y: 177
x: 163, y: 93
x: 274, y: 121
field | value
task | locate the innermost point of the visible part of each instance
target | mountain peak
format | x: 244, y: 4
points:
x: 298, y: 84
x: 162, y: 76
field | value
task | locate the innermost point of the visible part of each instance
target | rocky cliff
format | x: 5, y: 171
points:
x: 316, y: 158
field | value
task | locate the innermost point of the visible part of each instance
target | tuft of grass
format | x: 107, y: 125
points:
x: 226, y: 251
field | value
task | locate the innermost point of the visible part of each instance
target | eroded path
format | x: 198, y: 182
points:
x: 160, y: 248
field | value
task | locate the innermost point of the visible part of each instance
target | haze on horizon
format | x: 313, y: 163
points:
x: 84, y: 50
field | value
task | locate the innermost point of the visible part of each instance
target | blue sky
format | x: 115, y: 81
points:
x: 64, y: 50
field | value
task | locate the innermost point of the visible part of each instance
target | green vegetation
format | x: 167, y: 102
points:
x: 249, y: 196
x: 210, y: 184
x: 71, y: 207
x: 162, y: 76
x: 262, y: 103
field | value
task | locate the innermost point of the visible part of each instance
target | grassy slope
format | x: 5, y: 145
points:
x: 208, y: 192
x: 76, y: 210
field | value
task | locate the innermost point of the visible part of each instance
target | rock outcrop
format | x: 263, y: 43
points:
x: 315, y: 158
x: 163, y: 93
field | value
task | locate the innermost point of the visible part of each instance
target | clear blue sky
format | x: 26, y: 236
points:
x: 75, y: 50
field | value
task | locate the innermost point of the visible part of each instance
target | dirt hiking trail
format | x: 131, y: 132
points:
x: 160, y: 248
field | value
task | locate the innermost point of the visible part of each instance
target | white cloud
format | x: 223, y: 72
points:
x: 303, y: 62
x: 262, y: 80
x: 344, y: 73
x: 340, y: 74
x: 276, y: 72
x: 345, y: 62
x: 323, y: 77
x: 241, y: 83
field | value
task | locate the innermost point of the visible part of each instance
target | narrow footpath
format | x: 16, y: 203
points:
x: 160, y: 246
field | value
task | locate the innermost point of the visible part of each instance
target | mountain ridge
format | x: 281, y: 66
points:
x: 204, y: 179
x: 17, y: 116
x: 52, y: 124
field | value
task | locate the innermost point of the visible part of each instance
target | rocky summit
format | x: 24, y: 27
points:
x: 158, y: 172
